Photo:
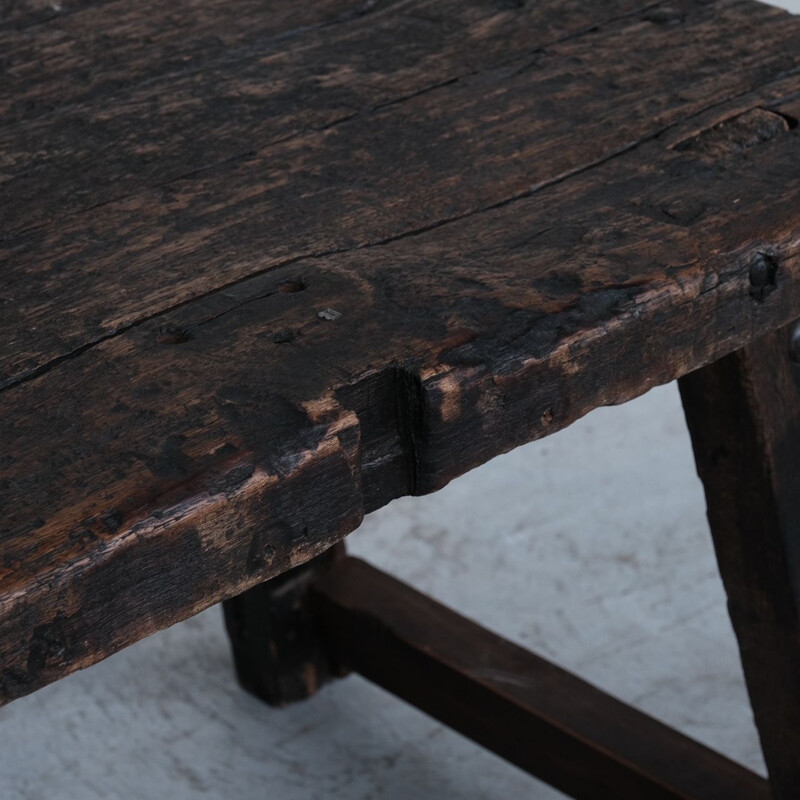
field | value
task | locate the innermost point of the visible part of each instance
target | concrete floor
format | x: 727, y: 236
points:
x: 589, y: 547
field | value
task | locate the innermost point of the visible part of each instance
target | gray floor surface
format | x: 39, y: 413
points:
x: 590, y: 547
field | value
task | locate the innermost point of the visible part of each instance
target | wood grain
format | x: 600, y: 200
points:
x: 210, y: 380
x: 116, y: 52
x: 744, y: 417
x: 195, y: 105
x: 374, y: 177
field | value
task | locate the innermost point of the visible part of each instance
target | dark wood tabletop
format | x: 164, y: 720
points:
x: 264, y: 269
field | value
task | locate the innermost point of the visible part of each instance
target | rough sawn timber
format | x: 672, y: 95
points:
x: 211, y: 371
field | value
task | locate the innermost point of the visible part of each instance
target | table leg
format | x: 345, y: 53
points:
x: 743, y: 414
x: 277, y: 645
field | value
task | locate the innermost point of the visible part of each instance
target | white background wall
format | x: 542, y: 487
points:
x: 590, y: 547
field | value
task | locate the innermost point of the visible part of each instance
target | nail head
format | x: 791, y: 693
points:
x: 794, y: 343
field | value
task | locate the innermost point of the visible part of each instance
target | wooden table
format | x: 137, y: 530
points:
x: 267, y: 266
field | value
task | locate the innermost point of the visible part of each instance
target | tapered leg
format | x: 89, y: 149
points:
x: 277, y: 643
x: 744, y: 417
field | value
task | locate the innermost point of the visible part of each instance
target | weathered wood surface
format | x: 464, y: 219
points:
x: 744, y: 416
x: 226, y: 196
x: 227, y: 334
x: 527, y: 710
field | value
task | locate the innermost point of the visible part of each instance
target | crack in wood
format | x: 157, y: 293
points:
x: 361, y: 113
x: 36, y: 372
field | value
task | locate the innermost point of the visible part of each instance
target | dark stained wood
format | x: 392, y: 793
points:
x: 173, y: 108
x: 744, y: 417
x: 96, y: 27
x: 276, y: 639
x: 209, y: 381
x: 121, y: 53
x: 536, y: 715
x: 516, y: 125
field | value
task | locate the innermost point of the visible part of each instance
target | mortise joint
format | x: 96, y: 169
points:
x: 389, y: 407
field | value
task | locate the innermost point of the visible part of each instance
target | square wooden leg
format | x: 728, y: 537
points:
x: 276, y: 639
x: 744, y: 417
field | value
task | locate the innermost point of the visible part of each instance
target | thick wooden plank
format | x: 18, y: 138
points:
x: 744, y: 417
x: 173, y: 433
x: 135, y: 473
x: 536, y: 715
x: 385, y: 174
